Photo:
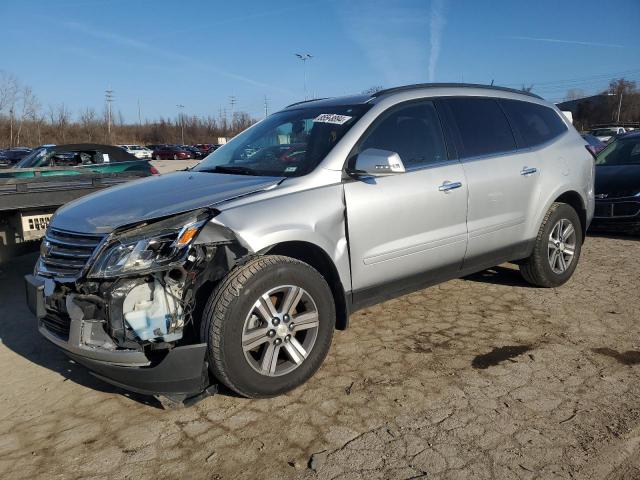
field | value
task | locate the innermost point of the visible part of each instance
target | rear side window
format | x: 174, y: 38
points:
x: 482, y: 126
x: 533, y: 124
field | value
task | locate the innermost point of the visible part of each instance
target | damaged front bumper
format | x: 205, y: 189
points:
x: 179, y: 373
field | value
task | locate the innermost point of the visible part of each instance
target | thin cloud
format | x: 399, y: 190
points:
x: 437, y: 23
x: 568, y: 42
x: 389, y: 37
x: 142, y: 46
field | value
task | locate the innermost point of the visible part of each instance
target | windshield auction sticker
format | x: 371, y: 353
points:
x: 331, y: 118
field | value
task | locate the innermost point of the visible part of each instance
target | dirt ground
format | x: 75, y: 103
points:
x: 476, y: 378
x: 166, y: 166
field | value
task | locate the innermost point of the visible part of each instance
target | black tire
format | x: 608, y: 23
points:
x: 537, y: 269
x: 223, y: 322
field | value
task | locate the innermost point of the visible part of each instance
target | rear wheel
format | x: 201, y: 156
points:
x: 175, y: 157
x: 557, y: 248
x: 268, y: 326
x: 157, y: 156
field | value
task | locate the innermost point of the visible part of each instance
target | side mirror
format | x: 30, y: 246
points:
x: 378, y: 163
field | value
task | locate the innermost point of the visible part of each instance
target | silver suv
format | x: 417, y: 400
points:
x: 239, y: 270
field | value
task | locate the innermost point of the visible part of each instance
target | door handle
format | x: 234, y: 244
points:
x: 526, y: 171
x: 447, y: 186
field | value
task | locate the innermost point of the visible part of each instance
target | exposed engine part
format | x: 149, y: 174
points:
x: 154, y: 310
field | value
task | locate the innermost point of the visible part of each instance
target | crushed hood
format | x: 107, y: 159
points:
x: 155, y: 197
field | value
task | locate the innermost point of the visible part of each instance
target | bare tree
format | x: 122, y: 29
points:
x: 29, y: 106
x: 60, y: 118
x: 9, y: 87
x: 89, y: 123
x: 621, y: 86
x: 574, y: 94
x: 372, y: 90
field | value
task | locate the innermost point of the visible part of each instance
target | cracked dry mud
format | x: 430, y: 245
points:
x: 476, y: 378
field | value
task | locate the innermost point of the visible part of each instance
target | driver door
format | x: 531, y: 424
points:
x: 408, y: 228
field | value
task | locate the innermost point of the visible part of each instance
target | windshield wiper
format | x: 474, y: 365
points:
x: 235, y: 169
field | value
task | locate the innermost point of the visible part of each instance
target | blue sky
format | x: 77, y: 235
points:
x: 199, y: 53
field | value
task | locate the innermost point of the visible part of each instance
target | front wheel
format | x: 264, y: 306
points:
x: 557, y: 249
x: 175, y: 157
x: 268, y: 326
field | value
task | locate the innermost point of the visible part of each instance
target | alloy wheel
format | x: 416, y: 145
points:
x: 562, y: 246
x: 280, y: 330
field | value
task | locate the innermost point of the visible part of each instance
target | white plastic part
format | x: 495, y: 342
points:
x: 153, y: 311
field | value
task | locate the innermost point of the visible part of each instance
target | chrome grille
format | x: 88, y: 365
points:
x: 65, y: 254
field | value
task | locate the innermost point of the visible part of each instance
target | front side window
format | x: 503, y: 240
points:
x: 534, y: 124
x: 482, y: 126
x: 289, y: 143
x: 412, y: 131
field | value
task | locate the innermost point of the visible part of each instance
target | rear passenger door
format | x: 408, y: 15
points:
x: 503, y: 182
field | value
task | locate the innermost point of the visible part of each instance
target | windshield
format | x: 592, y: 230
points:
x: 603, y: 132
x: 36, y: 158
x: 620, y: 152
x: 289, y: 143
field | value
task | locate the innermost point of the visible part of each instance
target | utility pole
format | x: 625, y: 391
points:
x: 139, y: 114
x: 304, y: 57
x: 232, y: 102
x: 619, y: 106
x: 266, y: 106
x: 108, y: 96
x: 11, y: 127
x: 181, y: 118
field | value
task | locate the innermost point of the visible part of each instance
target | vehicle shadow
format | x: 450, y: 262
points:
x: 19, y: 333
x: 500, y: 275
x: 614, y: 235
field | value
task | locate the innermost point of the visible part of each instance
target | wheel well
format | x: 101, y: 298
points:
x: 575, y: 200
x: 318, y: 259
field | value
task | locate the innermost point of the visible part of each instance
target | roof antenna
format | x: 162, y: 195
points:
x: 492, y: 82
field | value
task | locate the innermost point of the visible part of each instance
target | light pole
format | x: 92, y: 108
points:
x: 619, y: 107
x: 181, y: 117
x: 304, y: 57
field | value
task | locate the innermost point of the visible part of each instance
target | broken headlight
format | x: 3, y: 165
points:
x: 148, y: 248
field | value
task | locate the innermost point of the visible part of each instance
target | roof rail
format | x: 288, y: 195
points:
x: 306, y: 101
x: 449, y: 85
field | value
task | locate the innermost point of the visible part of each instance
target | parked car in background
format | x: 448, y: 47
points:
x: 10, y: 157
x: 242, y: 267
x: 205, y: 148
x: 138, y: 151
x: 155, y: 146
x: 73, y: 159
x: 595, y: 146
x: 605, y: 134
x: 617, y: 185
x: 195, y: 152
x: 171, y: 152
x: 51, y: 176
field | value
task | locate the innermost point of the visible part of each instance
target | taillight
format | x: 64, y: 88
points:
x: 154, y: 170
